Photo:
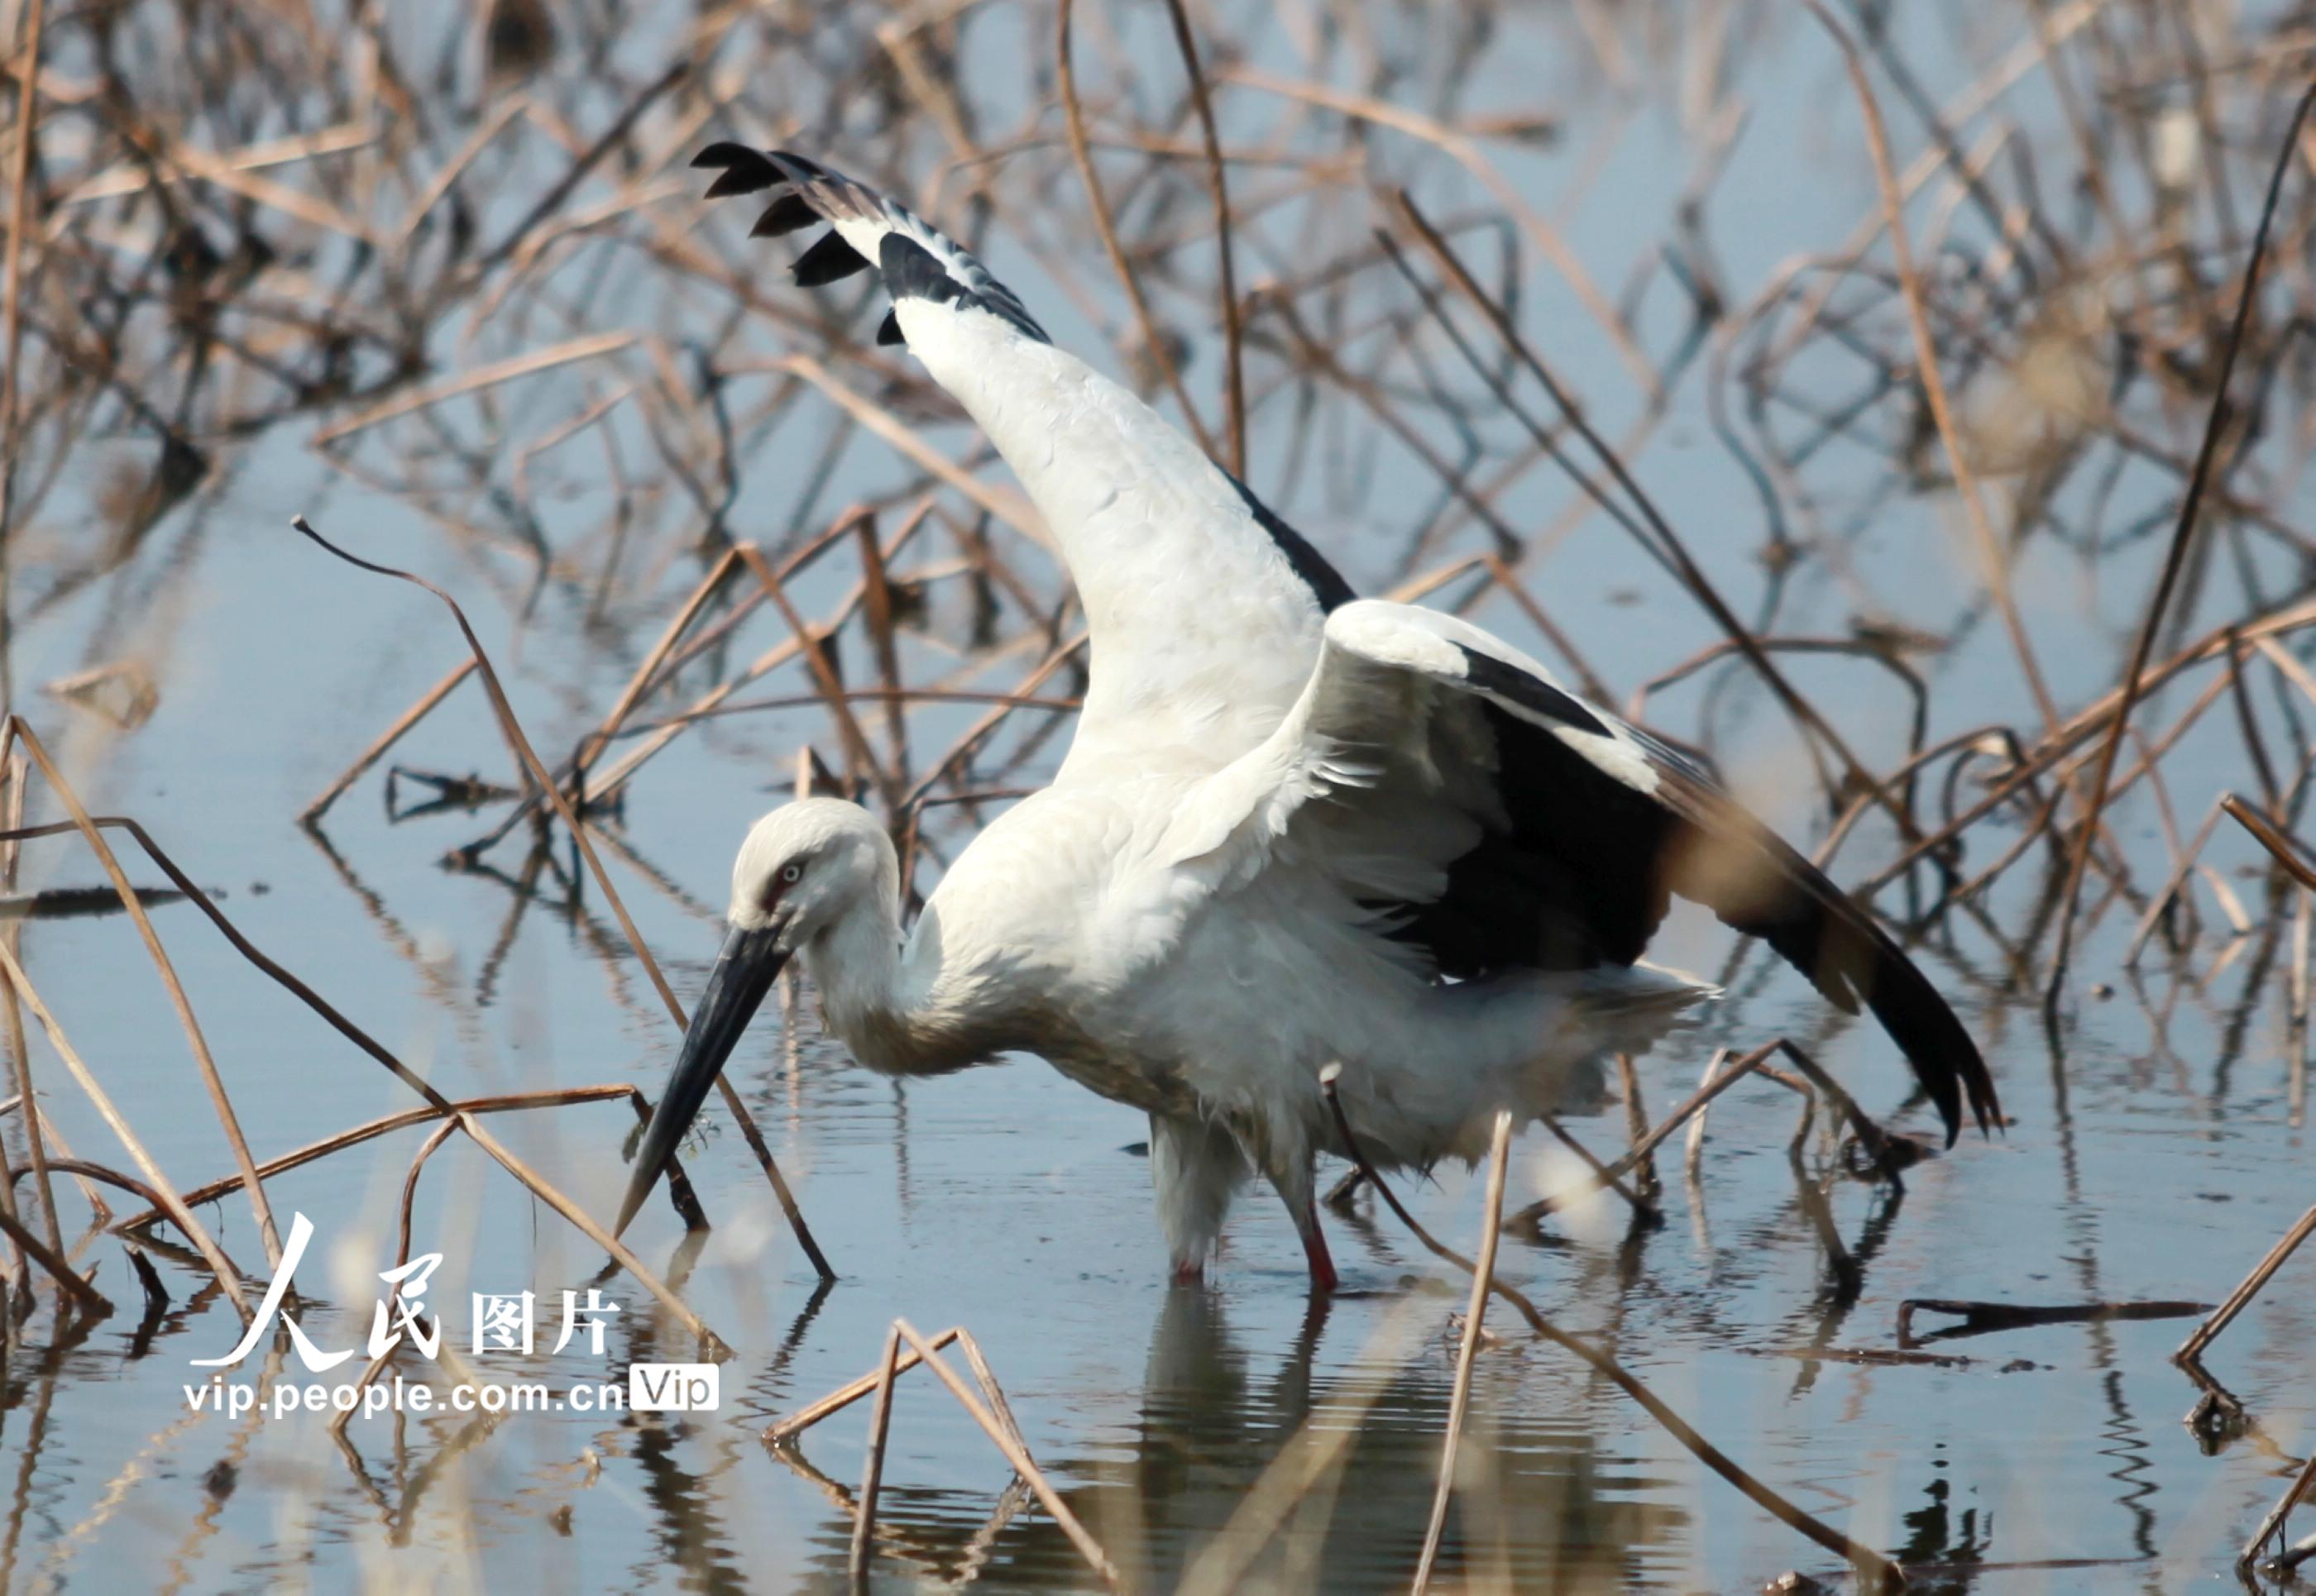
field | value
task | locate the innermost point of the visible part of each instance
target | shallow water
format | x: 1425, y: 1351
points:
x: 2155, y: 1152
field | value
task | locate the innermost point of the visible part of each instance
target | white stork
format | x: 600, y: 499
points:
x: 1295, y: 828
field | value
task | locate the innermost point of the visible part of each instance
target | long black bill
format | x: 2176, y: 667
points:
x: 744, y: 973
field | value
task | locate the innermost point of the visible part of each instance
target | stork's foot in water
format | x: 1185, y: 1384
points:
x: 1189, y: 1272
x: 1323, y: 1279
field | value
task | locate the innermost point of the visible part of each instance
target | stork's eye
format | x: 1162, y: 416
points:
x: 791, y: 874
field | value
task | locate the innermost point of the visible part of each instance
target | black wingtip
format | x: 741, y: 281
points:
x: 787, y: 214
x: 910, y: 271
x: 830, y: 260
x: 889, y: 330
x: 1926, y: 1028
x: 725, y: 152
x: 746, y: 173
x: 1837, y: 944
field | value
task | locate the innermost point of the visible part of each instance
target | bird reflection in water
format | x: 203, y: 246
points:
x: 1307, y: 1475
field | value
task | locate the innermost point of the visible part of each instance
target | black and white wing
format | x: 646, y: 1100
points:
x: 1204, y: 608
x: 1512, y: 826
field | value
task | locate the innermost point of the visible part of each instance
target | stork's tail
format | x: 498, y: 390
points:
x: 1614, y: 1009
x: 1413, y: 1111
x: 1628, y: 1009
x: 915, y: 259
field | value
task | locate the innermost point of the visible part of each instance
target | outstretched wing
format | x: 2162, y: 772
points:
x: 1537, y: 831
x: 804, y: 192
x: 1204, y: 609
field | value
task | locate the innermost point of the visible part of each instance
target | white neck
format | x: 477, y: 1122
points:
x: 856, y: 964
x: 884, y: 1001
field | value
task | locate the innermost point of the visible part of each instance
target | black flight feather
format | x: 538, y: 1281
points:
x: 830, y: 260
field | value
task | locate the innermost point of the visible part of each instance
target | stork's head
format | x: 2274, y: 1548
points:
x: 805, y: 870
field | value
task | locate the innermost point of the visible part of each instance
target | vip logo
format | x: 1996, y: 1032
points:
x: 672, y: 1387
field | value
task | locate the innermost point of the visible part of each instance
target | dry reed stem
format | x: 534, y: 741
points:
x: 192, y: 162
x: 18, y: 1269
x: 989, y: 722
x: 858, y: 755
x: 179, y: 1214
x: 1234, y: 354
x: 780, y: 1432
x: 403, y: 403
x: 386, y: 1124
x: 426, y: 1149
x: 2292, y: 670
x: 1926, y: 362
x: 933, y: 86
x: 2248, y: 726
x: 249, y: 950
x: 88, y: 1172
x: 1153, y: 338
x: 20, y: 222
x: 2293, y: 1493
x: 1315, y: 355
x: 85, y: 1296
x: 1006, y: 504
x: 2174, y: 557
x: 460, y: 1371
x: 1877, y: 1142
x: 387, y: 739
x: 211, y: 1079
x: 872, y: 1473
x: 1637, y: 705
x: 987, y: 1380
x: 1669, y: 545
x: 1465, y: 154
x: 641, y: 681
x: 2282, y: 848
x: 594, y: 1232
x: 1015, y: 1453
x: 65, y: 1160
x: 667, y: 731
x: 2241, y: 1298
x: 667, y: 657
x: 877, y: 610
x: 2099, y: 716
x: 1647, y: 1182
x: 1692, y: 1161
x: 2182, y: 868
x: 119, y: 182
x: 20, y: 1054
x: 1802, y: 1090
x: 401, y: 1071
x: 554, y: 795
x: 1982, y: 1318
x: 1459, y: 1401
x: 1606, y: 1176
x: 1871, y: 1565
x: 561, y: 190
x: 755, y: 1137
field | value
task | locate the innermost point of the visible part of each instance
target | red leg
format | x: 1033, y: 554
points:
x: 1189, y: 1273
x: 1323, y: 1279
